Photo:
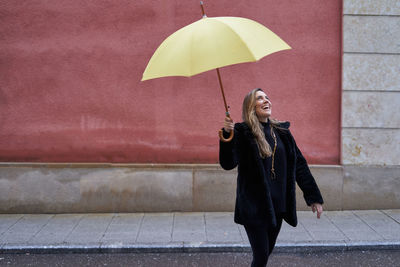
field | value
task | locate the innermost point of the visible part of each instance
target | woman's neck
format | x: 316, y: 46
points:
x: 264, y: 120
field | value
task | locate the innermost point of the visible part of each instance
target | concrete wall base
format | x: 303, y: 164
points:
x: 75, y: 188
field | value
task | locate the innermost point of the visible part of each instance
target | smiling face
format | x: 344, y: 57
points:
x: 263, y: 106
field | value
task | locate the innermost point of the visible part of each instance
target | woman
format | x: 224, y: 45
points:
x: 269, y: 163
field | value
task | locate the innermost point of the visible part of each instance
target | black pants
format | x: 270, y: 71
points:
x: 262, y: 240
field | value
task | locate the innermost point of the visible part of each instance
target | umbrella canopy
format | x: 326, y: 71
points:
x: 210, y: 43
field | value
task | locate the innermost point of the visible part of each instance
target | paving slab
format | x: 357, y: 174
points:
x: 90, y: 230
x: 320, y: 229
x: 123, y: 229
x: 8, y: 220
x: 381, y: 223
x: 292, y: 234
x: 394, y: 214
x: 243, y: 234
x: 56, y: 230
x: 156, y: 228
x: 24, y: 229
x: 352, y: 226
x: 189, y: 227
x: 220, y: 227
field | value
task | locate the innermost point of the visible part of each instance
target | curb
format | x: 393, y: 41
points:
x: 196, y: 248
x: 336, y: 246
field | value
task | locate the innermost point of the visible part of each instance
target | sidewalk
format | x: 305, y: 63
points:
x: 192, y: 232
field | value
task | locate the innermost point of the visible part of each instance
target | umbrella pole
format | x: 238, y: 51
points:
x: 223, y: 94
x: 202, y: 9
x: 221, y: 135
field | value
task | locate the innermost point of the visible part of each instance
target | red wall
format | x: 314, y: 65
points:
x: 70, y: 87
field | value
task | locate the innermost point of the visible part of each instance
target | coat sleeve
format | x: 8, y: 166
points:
x: 228, y: 157
x: 306, y: 181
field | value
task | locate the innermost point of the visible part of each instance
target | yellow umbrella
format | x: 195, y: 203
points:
x: 211, y: 43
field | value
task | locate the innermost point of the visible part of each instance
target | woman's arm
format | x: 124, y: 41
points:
x: 306, y: 181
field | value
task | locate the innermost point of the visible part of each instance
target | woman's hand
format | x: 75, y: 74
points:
x: 228, y: 124
x: 318, y: 208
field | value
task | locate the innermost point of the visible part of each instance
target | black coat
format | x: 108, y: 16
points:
x: 253, y: 198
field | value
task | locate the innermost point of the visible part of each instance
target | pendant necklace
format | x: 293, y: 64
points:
x: 273, y: 153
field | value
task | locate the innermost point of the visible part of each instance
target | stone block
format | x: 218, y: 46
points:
x: 30, y: 189
x: 371, y: 7
x: 371, y: 187
x: 330, y: 182
x: 370, y: 146
x: 72, y: 189
x: 375, y: 72
x: 132, y: 190
x: 214, y: 190
x: 371, y: 109
x: 371, y: 34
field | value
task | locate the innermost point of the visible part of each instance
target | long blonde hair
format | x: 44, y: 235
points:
x: 250, y: 118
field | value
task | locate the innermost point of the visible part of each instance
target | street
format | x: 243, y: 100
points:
x: 348, y: 258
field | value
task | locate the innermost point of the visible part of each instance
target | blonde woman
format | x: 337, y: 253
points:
x: 269, y: 165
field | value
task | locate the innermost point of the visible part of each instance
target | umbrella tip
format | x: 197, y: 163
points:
x: 202, y: 9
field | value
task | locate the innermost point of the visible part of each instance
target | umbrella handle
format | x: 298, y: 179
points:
x: 223, y: 139
x: 221, y: 135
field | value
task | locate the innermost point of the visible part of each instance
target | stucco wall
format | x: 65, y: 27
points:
x: 70, y: 74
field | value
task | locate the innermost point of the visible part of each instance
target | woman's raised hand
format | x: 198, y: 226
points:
x: 228, y: 124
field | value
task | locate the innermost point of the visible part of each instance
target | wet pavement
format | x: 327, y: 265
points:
x: 340, y: 258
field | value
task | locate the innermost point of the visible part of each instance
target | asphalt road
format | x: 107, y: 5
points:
x: 342, y: 259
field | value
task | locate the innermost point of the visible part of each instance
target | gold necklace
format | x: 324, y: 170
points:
x: 273, y: 153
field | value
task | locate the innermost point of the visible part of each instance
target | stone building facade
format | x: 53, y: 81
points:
x: 371, y: 104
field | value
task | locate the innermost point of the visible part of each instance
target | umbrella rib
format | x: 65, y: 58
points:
x: 191, y: 53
